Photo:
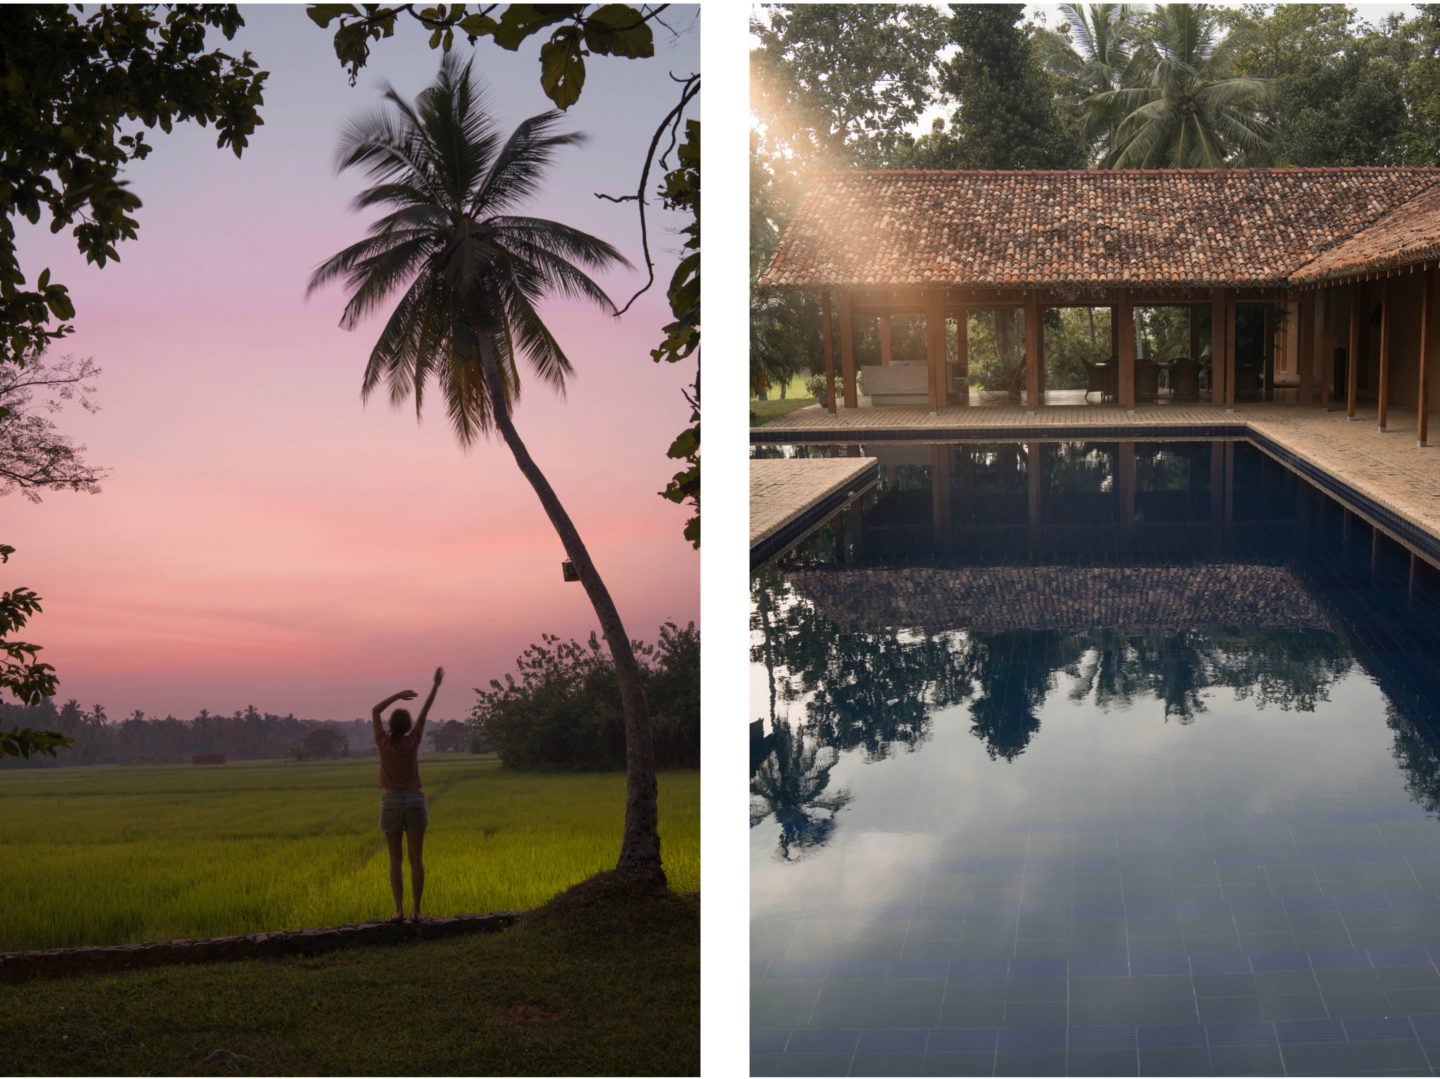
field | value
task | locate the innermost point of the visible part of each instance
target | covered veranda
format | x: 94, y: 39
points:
x: 1310, y: 287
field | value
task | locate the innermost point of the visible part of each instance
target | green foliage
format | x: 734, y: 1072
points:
x: 1006, y: 115
x: 452, y: 736
x: 817, y: 105
x: 564, y: 710
x: 681, y: 191
x: 73, y: 90
x: 157, y: 852
x: 320, y: 743
x: 579, y: 31
x: 22, y: 673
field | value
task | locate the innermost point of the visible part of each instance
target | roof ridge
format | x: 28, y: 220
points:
x: 1273, y: 169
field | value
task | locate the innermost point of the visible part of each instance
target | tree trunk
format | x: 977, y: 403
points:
x: 640, y: 847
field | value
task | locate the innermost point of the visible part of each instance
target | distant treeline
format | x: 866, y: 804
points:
x: 247, y: 734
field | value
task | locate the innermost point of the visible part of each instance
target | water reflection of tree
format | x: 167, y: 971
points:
x: 877, y: 691
x: 792, y: 785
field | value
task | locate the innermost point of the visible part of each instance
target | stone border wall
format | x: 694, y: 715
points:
x: 55, y: 962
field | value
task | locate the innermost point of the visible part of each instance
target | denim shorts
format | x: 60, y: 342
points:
x: 403, y: 811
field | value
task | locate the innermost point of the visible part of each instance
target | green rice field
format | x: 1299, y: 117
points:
x: 117, y: 854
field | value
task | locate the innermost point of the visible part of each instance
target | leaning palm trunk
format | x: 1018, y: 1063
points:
x: 640, y: 847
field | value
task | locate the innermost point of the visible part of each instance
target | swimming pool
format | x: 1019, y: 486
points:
x: 1094, y: 758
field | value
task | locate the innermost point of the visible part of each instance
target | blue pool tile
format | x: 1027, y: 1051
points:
x: 920, y: 968
x: 1399, y: 957
x: 1114, y: 1037
x: 893, y: 1041
x: 788, y: 969
x: 1220, y: 963
x: 1258, y: 904
x: 1037, y: 968
x: 1098, y: 908
x: 822, y: 1041
x: 768, y: 1041
x: 1172, y: 1036
x: 1279, y: 961
x: 1338, y: 958
x: 1240, y: 1034
x: 1299, y: 1031
x: 1426, y: 1026
x: 1160, y: 964
x: 1378, y: 1029
x: 851, y: 969
x: 1362, y: 901
x: 1100, y: 967
x: 962, y: 1039
x: 1309, y: 903
x: 979, y: 968
x: 904, y: 912
x: 1031, y: 1038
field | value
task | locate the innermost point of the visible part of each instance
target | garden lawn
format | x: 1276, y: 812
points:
x: 113, y: 854
x: 611, y: 988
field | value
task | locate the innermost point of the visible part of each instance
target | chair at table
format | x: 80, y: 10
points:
x: 1185, y: 378
x: 1147, y: 380
x: 1101, y: 378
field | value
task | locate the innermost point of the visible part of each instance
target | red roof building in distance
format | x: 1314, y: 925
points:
x: 1343, y: 258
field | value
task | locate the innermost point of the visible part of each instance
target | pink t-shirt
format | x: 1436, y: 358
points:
x: 399, y: 762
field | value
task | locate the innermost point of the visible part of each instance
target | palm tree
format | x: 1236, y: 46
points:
x: 1093, y: 59
x: 469, y: 274
x: 1181, y: 107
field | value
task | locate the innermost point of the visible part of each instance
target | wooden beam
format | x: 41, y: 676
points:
x: 847, y: 348
x: 1383, y: 414
x: 962, y: 353
x: 1352, y: 357
x: 1126, y: 371
x: 1034, y: 357
x: 886, y: 341
x: 1422, y: 418
x: 935, y: 348
x: 825, y: 335
x: 1218, y: 304
x: 1305, y: 345
x: 1229, y: 347
x: 1327, y: 346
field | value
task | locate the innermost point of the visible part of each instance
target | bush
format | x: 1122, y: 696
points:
x: 563, y: 711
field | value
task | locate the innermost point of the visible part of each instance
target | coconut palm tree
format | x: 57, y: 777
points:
x: 1093, y: 58
x: 469, y: 273
x: 1181, y: 107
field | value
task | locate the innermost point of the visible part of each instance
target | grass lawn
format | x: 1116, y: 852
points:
x: 797, y: 396
x: 113, y: 855
x: 606, y: 987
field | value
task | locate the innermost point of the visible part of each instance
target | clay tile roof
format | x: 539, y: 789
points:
x: 1407, y: 235
x: 1171, y: 228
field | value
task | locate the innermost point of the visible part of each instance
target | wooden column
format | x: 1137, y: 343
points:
x: 1126, y: 372
x: 1422, y: 417
x: 1034, y: 358
x: 1267, y: 353
x: 1229, y: 348
x: 886, y: 341
x: 1217, y: 346
x: 935, y: 347
x: 1217, y: 483
x: 1229, y: 484
x: 1034, y: 477
x: 825, y: 335
x: 1384, y: 410
x: 1327, y: 347
x: 847, y: 348
x: 941, y: 514
x: 1352, y: 354
x: 1305, y: 346
x: 962, y: 353
x: 1126, y: 483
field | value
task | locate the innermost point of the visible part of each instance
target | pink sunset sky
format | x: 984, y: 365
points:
x: 263, y: 538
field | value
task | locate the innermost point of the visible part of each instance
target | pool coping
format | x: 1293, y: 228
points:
x: 811, y: 516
